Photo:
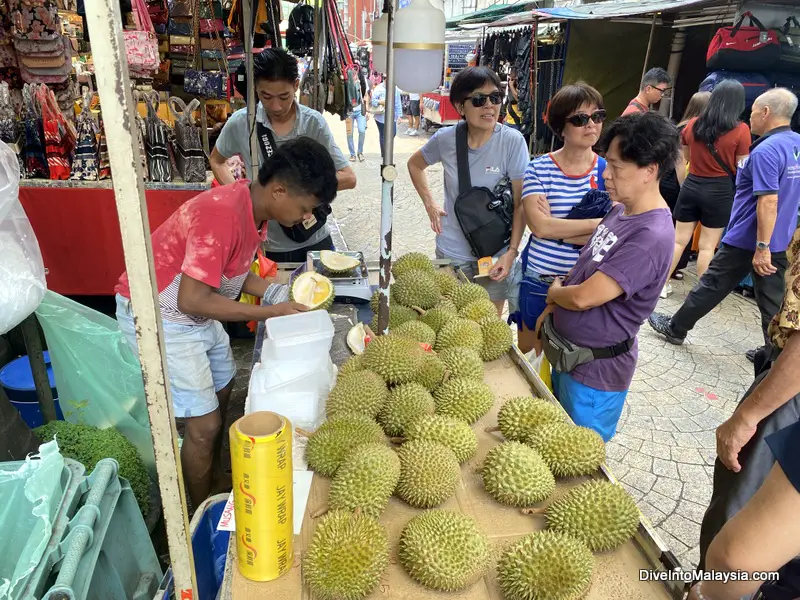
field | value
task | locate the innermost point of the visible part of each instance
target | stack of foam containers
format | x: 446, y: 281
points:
x: 295, y: 373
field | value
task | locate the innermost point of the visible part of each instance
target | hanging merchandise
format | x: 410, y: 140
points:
x: 199, y: 81
x: 85, y: 164
x: 187, y: 144
x: 141, y: 44
x: 9, y: 124
x: 156, y: 142
x: 141, y: 131
x: 744, y: 48
x: 33, y: 149
x: 104, y: 163
x: 59, y: 134
x: 789, y: 36
x: 300, y: 31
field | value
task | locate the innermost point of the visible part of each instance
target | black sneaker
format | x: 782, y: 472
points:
x: 663, y: 324
x: 751, y: 354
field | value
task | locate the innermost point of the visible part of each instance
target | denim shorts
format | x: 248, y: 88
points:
x: 498, y: 290
x: 531, y: 301
x: 596, y: 409
x: 199, y: 361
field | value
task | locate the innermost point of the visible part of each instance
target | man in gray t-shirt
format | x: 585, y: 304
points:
x: 276, y: 80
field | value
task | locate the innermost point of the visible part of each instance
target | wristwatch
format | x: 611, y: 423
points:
x: 762, y: 245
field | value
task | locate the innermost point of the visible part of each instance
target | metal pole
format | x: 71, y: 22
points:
x: 388, y: 176
x: 534, y: 86
x: 33, y: 346
x: 252, y: 103
x: 649, y: 44
x: 114, y: 87
x: 675, y: 57
x: 315, y: 56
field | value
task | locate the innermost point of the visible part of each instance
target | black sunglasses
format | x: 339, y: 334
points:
x: 582, y: 119
x: 479, y: 100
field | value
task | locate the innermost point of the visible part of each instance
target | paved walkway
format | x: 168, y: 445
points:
x: 665, y: 449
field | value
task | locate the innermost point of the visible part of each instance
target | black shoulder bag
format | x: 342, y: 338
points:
x: 302, y: 232
x: 485, y: 215
x: 721, y: 162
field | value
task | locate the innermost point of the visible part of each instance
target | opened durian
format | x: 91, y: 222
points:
x: 567, y: 449
x: 463, y: 398
x: 337, y: 263
x: 518, y: 417
x: 444, y: 550
x: 406, y: 403
x: 429, y: 473
x: 365, y: 480
x: 347, y: 556
x: 312, y: 289
x: 515, y: 474
x: 449, y: 431
x: 328, y: 445
x: 362, y: 392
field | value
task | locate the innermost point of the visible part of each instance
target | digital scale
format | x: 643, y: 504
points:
x: 352, y: 287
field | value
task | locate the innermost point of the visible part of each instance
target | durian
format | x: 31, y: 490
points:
x: 337, y: 263
x: 406, y: 403
x: 412, y: 261
x: 328, y: 445
x: 462, y: 362
x: 478, y: 310
x: 398, y: 314
x: 362, y: 392
x: 467, y: 293
x: 545, y: 565
x: 460, y: 333
x: 373, y: 302
x: 567, y: 449
x: 436, y: 317
x: 396, y: 359
x: 515, y: 474
x: 497, y: 338
x: 415, y: 288
x: 417, y: 331
x: 347, y: 556
x: 312, y: 289
x: 448, y: 305
x: 429, y: 473
x: 518, y: 417
x: 449, y: 431
x: 431, y: 372
x: 599, y: 513
x: 446, y: 282
x: 365, y: 480
x: 444, y: 550
x: 352, y: 365
x: 462, y: 398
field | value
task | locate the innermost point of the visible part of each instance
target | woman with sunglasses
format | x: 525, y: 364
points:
x: 554, y: 184
x: 495, y: 151
x: 714, y: 144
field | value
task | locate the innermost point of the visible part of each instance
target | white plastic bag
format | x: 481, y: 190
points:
x: 22, y: 280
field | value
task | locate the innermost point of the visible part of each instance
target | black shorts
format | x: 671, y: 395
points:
x: 785, y: 446
x: 413, y: 108
x: 708, y: 200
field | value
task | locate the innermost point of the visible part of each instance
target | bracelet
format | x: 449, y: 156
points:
x: 698, y: 591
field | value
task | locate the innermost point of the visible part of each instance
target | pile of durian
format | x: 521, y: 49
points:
x: 398, y: 392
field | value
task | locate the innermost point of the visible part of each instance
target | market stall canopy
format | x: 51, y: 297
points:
x: 488, y: 15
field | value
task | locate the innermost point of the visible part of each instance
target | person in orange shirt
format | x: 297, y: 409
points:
x: 655, y: 83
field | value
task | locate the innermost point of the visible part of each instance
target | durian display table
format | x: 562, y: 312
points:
x: 616, y: 574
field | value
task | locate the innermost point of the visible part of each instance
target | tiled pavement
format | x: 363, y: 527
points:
x: 665, y: 449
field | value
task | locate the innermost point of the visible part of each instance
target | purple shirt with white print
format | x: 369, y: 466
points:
x: 636, y: 252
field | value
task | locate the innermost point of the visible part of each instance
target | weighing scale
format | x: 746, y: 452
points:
x: 351, y: 287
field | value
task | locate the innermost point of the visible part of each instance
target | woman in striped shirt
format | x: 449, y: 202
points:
x: 554, y: 183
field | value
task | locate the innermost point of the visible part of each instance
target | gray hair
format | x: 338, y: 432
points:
x: 782, y: 102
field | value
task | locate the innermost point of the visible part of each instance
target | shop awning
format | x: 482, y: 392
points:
x: 489, y: 14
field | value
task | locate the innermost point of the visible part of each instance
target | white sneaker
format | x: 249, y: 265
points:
x: 409, y: 131
x: 666, y: 290
x: 413, y: 132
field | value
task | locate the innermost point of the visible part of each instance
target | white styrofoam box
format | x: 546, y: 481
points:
x: 301, y: 336
x: 302, y: 409
x: 296, y: 375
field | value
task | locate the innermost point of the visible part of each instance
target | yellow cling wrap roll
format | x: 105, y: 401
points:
x: 261, y: 461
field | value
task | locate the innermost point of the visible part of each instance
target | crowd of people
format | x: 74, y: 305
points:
x: 611, y: 214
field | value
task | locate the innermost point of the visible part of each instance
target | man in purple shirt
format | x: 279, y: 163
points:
x: 762, y: 223
x: 618, y: 277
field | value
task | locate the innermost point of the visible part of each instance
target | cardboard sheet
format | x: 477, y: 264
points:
x: 616, y: 573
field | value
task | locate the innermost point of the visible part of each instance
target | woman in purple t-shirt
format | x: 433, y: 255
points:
x: 616, y: 282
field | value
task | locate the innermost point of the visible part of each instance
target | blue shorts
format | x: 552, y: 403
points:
x: 785, y: 447
x: 531, y: 303
x: 587, y: 406
x: 199, y: 361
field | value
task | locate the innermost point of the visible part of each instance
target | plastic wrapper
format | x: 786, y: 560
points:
x: 22, y: 277
x: 98, y: 376
x: 31, y: 493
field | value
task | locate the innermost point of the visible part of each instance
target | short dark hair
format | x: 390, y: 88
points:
x: 655, y: 76
x: 275, y: 64
x: 644, y: 139
x: 470, y: 79
x: 568, y: 99
x: 304, y: 166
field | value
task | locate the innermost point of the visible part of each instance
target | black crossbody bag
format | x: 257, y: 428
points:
x: 305, y: 230
x: 721, y: 162
x: 485, y: 216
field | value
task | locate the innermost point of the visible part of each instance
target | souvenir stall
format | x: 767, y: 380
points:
x: 437, y: 110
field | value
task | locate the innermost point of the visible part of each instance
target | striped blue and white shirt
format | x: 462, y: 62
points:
x: 544, y: 177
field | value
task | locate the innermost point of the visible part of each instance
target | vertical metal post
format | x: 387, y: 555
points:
x: 673, y: 66
x: 388, y: 176
x: 33, y: 346
x: 114, y: 87
x: 252, y: 103
x: 534, y: 86
x: 315, y: 100
x: 649, y: 44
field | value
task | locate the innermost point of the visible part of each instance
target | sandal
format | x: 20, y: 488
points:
x: 361, y: 157
x: 678, y: 276
x: 352, y: 158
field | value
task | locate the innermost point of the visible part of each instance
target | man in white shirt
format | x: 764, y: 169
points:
x: 413, y: 114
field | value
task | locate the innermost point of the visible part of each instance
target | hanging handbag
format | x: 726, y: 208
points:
x: 744, y: 48
x: 33, y: 150
x: 59, y: 134
x: 85, y: 163
x: 789, y: 62
x: 305, y: 230
x: 141, y: 44
x: 208, y: 84
x: 188, y: 146
x: 156, y: 141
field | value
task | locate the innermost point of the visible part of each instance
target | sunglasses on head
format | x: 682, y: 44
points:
x: 582, y: 119
x: 479, y: 100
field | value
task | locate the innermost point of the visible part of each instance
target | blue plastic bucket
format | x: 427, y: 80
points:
x: 16, y: 378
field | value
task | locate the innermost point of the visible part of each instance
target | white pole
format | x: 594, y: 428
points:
x: 388, y: 176
x: 114, y: 87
